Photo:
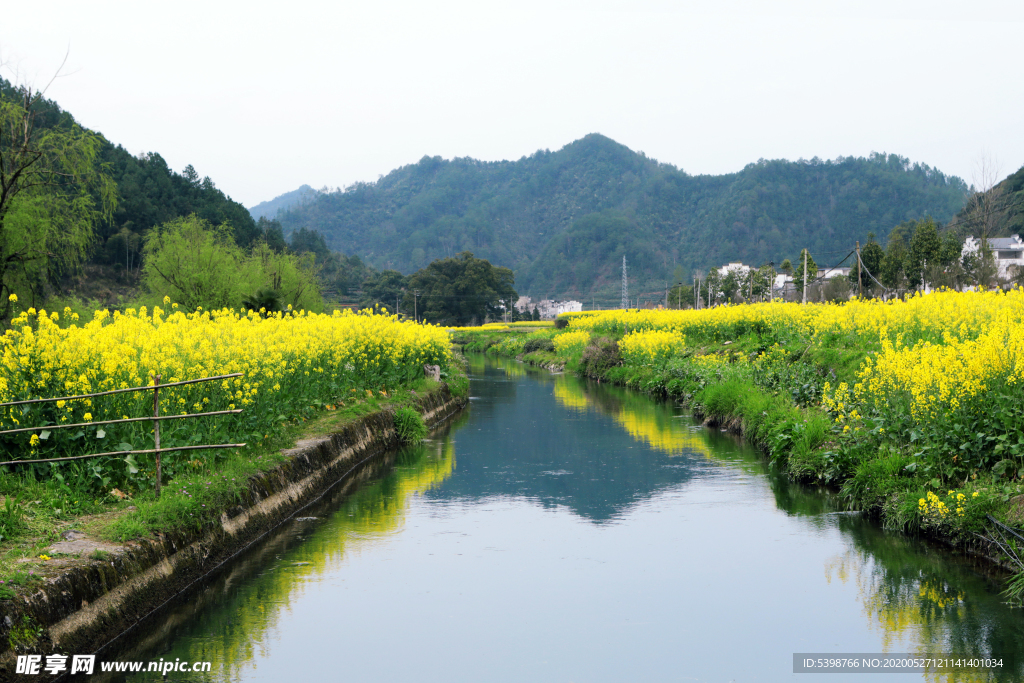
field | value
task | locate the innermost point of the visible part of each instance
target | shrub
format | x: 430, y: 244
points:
x: 601, y: 354
x: 409, y: 425
x: 538, y: 344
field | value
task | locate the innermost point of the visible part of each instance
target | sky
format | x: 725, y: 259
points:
x: 264, y: 97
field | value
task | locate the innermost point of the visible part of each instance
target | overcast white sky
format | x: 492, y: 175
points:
x: 264, y: 97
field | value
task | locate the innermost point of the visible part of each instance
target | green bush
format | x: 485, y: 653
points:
x: 539, y: 344
x: 409, y: 425
x: 602, y: 354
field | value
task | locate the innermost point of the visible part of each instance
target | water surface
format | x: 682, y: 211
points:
x: 563, y: 530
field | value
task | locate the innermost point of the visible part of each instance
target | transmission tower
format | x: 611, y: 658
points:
x: 625, y: 285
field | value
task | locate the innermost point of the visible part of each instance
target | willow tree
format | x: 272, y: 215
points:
x: 53, y: 191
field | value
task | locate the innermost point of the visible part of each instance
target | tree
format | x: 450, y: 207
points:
x: 293, y: 276
x: 193, y: 263
x: 304, y: 240
x: 798, y: 273
x: 980, y: 266
x: 680, y: 296
x: 837, y: 289
x: 712, y: 288
x: 730, y: 285
x: 756, y: 284
x: 270, y: 231
x: 384, y: 289
x: 925, y: 249
x: 53, y: 191
x: 197, y: 264
x: 893, y: 263
x: 462, y: 290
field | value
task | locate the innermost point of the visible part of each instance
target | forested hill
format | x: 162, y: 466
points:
x: 269, y: 209
x: 148, y: 193
x: 563, y: 220
x: 998, y: 212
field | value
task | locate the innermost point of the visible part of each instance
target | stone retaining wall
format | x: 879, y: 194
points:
x: 92, y: 602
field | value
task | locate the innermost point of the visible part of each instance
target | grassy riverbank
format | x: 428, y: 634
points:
x: 303, y: 375
x: 907, y: 407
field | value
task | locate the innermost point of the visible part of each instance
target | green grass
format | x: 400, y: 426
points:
x: 190, y: 502
x: 776, y: 402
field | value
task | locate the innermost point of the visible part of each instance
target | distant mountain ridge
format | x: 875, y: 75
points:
x: 563, y: 220
x: 270, y: 208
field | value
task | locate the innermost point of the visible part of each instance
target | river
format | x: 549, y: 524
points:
x: 563, y: 530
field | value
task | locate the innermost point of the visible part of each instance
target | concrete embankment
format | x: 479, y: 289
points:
x: 91, y: 602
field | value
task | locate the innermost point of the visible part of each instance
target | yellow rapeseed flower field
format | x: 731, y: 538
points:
x: 940, y: 369
x: 291, y: 362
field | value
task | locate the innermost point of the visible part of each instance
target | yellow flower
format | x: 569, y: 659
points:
x: 34, y: 441
x: 87, y: 417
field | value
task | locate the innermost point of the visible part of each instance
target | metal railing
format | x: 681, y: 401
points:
x: 156, y: 418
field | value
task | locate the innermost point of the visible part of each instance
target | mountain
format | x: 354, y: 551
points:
x: 563, y: 220
x: 269, y: 209
x: 149, y: 193
x: 997, y: 213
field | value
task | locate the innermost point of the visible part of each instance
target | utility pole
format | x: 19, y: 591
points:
x: 415, y: 305
x: 860, y: 269
x: 805, y: 276
x: 625, y: 284
x: 750, y: 289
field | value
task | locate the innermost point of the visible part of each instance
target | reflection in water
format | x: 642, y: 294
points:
x: 925, y: 601
x: 642, y: 418
x: 238, y: 613
x: 588, y: 533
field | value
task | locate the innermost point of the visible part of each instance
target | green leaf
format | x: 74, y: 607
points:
x: 132, y: 465
x: 100, y: 433
x: 44, y: 435
x: 1000, y: 467
x: 125, y: 446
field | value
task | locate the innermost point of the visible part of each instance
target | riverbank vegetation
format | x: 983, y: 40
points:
x: 910, y: 407
x: 296, y: 366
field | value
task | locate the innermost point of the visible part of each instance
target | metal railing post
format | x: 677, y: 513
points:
x: 156, y: 418
x: 156, y: 429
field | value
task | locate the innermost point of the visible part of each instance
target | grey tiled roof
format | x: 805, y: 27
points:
x: 1003, y: 243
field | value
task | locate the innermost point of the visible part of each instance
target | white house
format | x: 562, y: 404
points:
x: 829, y: 273
x: 1008, y: 252
x: 548, y: 308
x: 737, y: 268
x: 568, y: 307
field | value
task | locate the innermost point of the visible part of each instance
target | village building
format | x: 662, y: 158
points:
x: 1008, y: 252
x: 548, y: 308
